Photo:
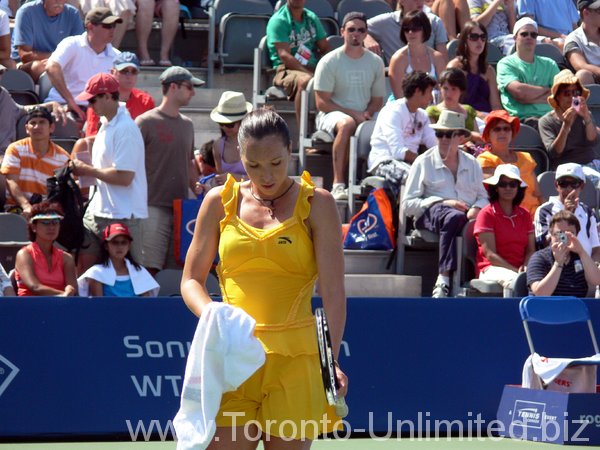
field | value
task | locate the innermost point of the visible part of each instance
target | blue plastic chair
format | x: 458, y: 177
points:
x: 555, y: 311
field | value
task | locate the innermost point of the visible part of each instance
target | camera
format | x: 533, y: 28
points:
x: 562, y: 237
x: 576, y: 103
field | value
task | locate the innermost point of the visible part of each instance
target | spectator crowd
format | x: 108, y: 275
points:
x: 444, y: 130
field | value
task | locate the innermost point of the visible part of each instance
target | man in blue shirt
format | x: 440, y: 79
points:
x: 39, y: 27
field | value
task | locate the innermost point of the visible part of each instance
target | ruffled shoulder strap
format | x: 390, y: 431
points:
x: 307, y: 190
x: 229, y: 198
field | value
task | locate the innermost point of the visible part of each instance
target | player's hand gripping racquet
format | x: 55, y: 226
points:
x: 328, y: 365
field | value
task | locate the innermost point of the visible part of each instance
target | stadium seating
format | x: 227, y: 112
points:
x: 370, y: 8
x: 44, y: 86
x: 21, y: 87
x: 593, y: 102
x: 12, y: 238
x: 170, y: 280
x: 242, y: 24
x: 262, y: 89
x: 529, y: 140
x: 324, y: 10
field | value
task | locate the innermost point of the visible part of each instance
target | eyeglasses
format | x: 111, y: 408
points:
x: 474, y: 36
x: 230, y: 125
x: 93, y: 100
x: 508, y: 184
x: 566, y: 183
x: 531, y: 34
x: 356, y: 30
x: 447, y: 134
x: 413, y: 29
x: 128, y: 72
x: 48, y: 222
x: 108, y: 26
x: 505, y: 129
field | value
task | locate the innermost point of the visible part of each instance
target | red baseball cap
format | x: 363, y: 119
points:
x: 101, y: 83
x: 116, y: 229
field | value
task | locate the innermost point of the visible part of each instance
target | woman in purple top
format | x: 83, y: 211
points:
x: 471, y: 57
x: 228, y: 114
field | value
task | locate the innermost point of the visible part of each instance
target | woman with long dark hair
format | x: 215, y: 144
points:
x: 471, y: 57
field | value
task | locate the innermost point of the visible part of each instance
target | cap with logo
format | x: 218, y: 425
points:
x: 572, y: 170
x: 116, y: 229
x: 101, y: 83
x: 125, y: 60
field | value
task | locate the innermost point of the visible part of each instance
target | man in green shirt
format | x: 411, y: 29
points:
x: 524, y: 79
x: 295, y: 40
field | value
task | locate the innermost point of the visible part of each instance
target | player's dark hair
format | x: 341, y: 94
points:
x: 454, y: 77
x: 416, y: 18
x: 462, y: 50
x: 261, y: 123
x: 417, y: 80
x: 565, y: 216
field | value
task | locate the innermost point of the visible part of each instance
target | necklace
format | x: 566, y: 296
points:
x: 269, y: 203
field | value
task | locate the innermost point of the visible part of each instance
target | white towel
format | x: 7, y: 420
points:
x: 141, y: 280
x: 224, y: 353
x: 561, y: 374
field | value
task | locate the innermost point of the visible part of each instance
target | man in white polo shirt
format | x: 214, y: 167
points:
x: 118, y: 164
x: 77, y: 58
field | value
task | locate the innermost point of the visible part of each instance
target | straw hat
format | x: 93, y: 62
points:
x: 232, y: 107
x: 450, y: 120
x: 500, y: 114
x: 565, y: 76
x: 508, y: 170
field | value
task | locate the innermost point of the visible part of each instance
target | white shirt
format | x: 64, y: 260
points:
x: 4, y: 24
x: 119, y: 144
x: 398, y: 130
x: 430, y: 181
x: 79, y: 62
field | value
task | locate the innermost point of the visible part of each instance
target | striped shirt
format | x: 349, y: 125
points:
x: 32, y: 170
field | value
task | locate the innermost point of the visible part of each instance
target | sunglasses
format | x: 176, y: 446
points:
x: 447, y: 134
x: 93, y: 100
x: 531, y: 34
x: 475, y: 36
x: 188, y: 86
x: 413, y: 29
x: 128, y: 72
x: 565, y: 184
x: 508, y: 184
x: 356, y: 30
x: 230, y: 125
x: 501, y: 129
x: 48, y: 221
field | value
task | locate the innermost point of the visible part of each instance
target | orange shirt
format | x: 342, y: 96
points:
x: 31, y: 169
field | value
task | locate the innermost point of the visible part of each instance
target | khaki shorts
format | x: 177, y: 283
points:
x: 328, y: 121
x: 94, y: 227
x: 158, y: 239
x: 288, y: 80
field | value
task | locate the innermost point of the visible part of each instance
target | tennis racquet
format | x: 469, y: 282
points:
x: 328, y: 365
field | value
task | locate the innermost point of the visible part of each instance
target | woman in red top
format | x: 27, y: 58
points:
x: 503, y: 229
x: 41, y: 268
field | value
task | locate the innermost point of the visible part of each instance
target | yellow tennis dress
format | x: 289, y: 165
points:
x: 270, y: 274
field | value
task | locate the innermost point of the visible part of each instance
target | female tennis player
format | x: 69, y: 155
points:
x: 275, y: 237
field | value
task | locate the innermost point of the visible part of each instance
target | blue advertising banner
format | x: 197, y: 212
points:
x: 115, y: 366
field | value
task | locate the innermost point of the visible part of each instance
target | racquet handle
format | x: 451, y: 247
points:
x: 341, y: 409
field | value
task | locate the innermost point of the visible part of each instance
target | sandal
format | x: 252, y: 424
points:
x: 165, y: 63
x: 147, y: 62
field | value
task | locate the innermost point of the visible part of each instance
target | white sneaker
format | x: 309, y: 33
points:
x: 339, y: 192
x: 440, y: 290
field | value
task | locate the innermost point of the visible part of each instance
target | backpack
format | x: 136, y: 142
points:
x: 374, y: 226
x: 63, y: 189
